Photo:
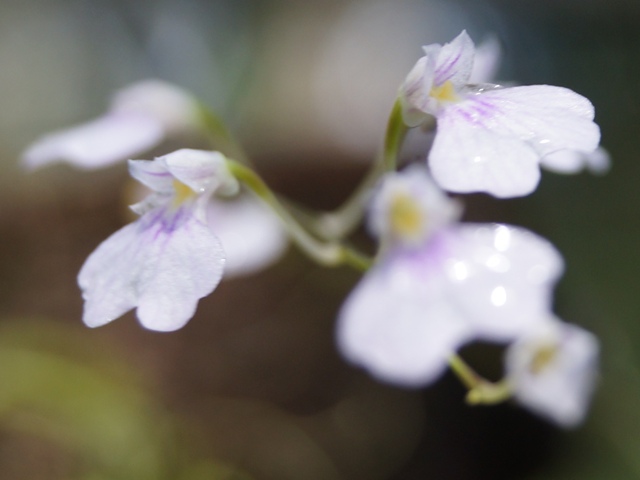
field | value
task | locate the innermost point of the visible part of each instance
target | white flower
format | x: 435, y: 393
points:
x: 169, y: 258
x: 433, y: 289
x: 409, y: 208
x: 491, y: 139
x: 553, y: 371
x: 139, y: 118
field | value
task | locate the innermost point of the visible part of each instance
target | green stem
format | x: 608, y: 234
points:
x: 481, y: 391
x: 220, y: 136
x: 489, y: 393
x: 342, y: 221
x: 394, y: 137
x: 329, y: 254
x: 465, y: 373
x: 331, y: 226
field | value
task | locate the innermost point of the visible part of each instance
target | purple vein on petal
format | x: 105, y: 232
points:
x: 445, y: 73
x: 158, y: 174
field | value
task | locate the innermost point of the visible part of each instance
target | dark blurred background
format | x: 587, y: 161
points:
x: 252, y: 387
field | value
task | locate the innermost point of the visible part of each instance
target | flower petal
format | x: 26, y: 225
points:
x: 99, y: 143
x: 398, y: 324
x: 152, y: 174
x: 108, y: 277
x: 455, y: 61
x: 492, y: 140
x: 573, y: 161
x: 163, y: 263
x: 174, y: 108
x: 501, y: 277
x: 203, y: 171
x: 553, y: 371
x: 467, y: 158
x: 549, y: 118
x: 416, y: 90
x: 183, y: 264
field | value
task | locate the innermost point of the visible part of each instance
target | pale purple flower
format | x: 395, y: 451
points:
x: 489, y: 138
x: 553, y: 371
x: 168, y: 259
x: 439, y: 284
x: 139, y: 118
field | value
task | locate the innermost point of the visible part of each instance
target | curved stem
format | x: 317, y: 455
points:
x: 341, y: 222
x: 329, y: 253
x: 464, y: 372
x: 490, y: 393
x: 330, y: 226
x: 335, y: 225
x: 481, y: 391
x: 220, y: 136
x: 394, y: 137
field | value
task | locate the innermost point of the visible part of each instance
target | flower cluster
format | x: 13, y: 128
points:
x: 440, y: 284
x: 435, y: 285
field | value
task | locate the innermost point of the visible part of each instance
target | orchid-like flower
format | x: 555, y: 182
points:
x: 140, y: 117
x: 439, y: 284
x: 168, y: 259
x: 553, y: 371
x: 489, y: 138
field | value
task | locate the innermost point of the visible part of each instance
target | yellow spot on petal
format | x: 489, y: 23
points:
x: 183, y: 193
x: 405, y: 216
x: 543, y: 357
x: 445, y: 93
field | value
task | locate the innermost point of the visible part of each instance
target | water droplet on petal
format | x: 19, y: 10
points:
x: 502, y: 239
x: 499, y: 296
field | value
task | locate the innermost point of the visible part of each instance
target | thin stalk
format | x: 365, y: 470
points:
x: 220, y: 136
x: 464, y: 372
x: 328, y: 253
x: 394, y: 137
x: 342, y: 221
x: 481, y: 391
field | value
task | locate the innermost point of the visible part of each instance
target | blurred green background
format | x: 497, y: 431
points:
x: 252, y: 387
